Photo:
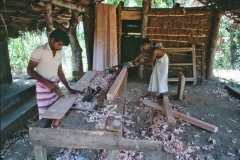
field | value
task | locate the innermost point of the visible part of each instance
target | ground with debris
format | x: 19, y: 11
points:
x: 208, y: 102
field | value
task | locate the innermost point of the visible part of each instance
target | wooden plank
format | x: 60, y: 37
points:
x: 186, y: 49
x: 176, y: 79
x: 81, y: 84
x: 184, y: 117
x: 130, y: 15
x: 115, y: 87
x: 181, y: 84
x: 180, y: 64
x: 60, y: 107
x: 89, y: 139
x: 113, y: 58
x: 170, y: 119
x: 40, y: 152
x: 98, y: 56
x: 194, y: 64
x: 73, y: 138
x: 114, y: 124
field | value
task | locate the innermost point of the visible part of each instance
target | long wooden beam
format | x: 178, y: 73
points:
x: 116, y: 85
x: 67, y: 4
x: 89, y: 139
x: 184, y: 117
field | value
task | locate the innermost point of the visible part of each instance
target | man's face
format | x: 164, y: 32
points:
x: 56, y: 45
x: 146, y: 46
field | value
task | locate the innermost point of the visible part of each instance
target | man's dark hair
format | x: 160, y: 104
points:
x: 60, y: 35
x: 144, y: 40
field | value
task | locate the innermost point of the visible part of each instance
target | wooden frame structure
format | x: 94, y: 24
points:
x: 75, y: 132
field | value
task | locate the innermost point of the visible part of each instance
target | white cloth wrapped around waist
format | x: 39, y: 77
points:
x: 159, y: 77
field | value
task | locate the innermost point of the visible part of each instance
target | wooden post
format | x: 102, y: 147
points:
x: 48, y: 15
x: 5, y: 76
x: 145, y: 9
x: 212, y: 44
x: 194, y: 64
x: 40, y: 152
x: 181, y: 84
x: 75, y: 46
x: 88, y: 25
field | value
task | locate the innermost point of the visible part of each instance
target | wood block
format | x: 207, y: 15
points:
x: 181, y: 84
x: 170, y: 119
x: 60, y: 107
x: 114, y: 124
x: 184, y: 117
x: 100, y: 104
x: 81, y: 84
x: 115, y: 87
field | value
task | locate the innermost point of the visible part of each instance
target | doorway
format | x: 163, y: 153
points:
x: 130, y: 43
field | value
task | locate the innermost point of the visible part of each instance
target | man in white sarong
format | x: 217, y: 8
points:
x: 159, y: 77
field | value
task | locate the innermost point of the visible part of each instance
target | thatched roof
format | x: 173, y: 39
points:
x: 27, y: 15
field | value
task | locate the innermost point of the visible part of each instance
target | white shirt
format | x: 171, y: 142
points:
x: 48, y: 65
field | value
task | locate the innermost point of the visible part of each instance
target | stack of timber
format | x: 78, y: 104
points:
x: 105, y: 37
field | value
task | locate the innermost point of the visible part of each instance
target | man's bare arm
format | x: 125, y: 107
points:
x: 63, y: 79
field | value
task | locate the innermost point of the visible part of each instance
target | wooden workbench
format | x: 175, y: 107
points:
x: 76, y: 132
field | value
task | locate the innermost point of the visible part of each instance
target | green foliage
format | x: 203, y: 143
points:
x: 20, y: 50
x: 228, y: 51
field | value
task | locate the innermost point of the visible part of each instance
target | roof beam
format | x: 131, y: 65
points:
x: 67, y: 4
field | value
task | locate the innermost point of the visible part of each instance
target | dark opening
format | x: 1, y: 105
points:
x: 130, y: 43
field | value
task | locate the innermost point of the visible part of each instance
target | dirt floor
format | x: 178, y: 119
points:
x: 208, y: 102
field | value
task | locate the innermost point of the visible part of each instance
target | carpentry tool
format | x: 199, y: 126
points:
x: 91, y: 110
x: 91, y: 93
x: 126, y: 64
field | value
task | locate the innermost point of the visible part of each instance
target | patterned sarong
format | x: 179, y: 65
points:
x: 45, y: 97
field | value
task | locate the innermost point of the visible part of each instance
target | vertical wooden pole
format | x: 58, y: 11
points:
x: 194, y: 64
x: 40, y: 152
x: 181, y: 84
x: 5, y: 76
x: 119, y: 29
x: 48, y: 15
x: 88, y: 25
x: 145, y: 9
x: 212, y: 44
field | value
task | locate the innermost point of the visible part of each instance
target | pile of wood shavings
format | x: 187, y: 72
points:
x: 102, y: 80
x: 19, y: 138
x: 220, y: 93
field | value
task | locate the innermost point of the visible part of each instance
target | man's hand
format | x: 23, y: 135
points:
x: 136, y: 63
x: 72, y: 91
x: 53, y: 86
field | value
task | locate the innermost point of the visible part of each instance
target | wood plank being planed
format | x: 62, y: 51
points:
x: 116, y: 85
x: 60, y: 107
x: 81, y: 84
